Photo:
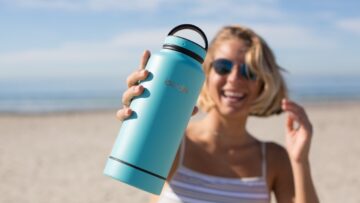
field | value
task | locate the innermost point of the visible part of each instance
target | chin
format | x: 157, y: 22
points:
x: 233, y: 112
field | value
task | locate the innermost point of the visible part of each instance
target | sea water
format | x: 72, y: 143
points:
x: 89, y: 94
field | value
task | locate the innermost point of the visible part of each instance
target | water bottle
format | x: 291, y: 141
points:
x: 148, y: 140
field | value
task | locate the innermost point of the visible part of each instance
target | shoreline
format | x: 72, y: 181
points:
x: 305, y: 104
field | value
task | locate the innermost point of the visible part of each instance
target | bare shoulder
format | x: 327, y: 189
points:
x: 277, y: 157
x: 193, y: 126
x: 279, y: 165
x: 276, y: 152
x: 194, y: 131
x: 188, y: 132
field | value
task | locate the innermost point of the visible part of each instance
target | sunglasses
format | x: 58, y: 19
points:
x: 224, y: 67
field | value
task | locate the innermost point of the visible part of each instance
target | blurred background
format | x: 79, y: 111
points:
x: 65, y: 55
x: 63, y: 65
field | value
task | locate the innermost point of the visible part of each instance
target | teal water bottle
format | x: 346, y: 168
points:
x: 148, y: 140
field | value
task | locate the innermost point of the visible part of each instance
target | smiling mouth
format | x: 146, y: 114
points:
x: 233, y: 96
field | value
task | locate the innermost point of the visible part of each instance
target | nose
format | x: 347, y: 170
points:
x: 235, y: 74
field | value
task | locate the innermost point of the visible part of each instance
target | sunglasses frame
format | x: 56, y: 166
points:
x: 227, y: 66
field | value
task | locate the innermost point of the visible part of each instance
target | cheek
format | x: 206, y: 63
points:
x: 215, y: 79
x: 214, y: 82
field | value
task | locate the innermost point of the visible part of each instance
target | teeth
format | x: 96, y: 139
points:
x: 233, y: 94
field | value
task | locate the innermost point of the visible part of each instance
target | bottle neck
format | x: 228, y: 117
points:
x: 184, y: 51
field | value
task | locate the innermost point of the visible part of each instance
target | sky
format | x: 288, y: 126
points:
x: 104, y: 39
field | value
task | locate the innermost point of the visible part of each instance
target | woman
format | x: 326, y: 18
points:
x: 219, y: 160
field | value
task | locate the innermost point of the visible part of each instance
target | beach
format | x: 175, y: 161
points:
x: 60, y: 157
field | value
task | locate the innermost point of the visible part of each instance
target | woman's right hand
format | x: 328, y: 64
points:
x: 135, y: 89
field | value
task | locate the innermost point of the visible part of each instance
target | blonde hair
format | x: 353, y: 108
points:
x: 261, y: 60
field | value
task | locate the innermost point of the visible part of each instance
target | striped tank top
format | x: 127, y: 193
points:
x: 190, y: 186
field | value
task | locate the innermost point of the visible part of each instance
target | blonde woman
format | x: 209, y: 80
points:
x: 219, y: 160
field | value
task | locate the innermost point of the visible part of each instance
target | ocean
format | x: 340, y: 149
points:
x: 92, y: 94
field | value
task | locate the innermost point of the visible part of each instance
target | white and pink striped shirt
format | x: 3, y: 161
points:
x: 190, y: 186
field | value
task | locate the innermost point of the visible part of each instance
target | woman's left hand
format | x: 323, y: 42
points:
x: 298, y: 131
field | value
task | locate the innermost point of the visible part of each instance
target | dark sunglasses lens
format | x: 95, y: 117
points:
x: 222, y: 66
x: 247, y: 73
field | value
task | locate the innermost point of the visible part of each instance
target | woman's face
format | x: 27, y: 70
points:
x: 232, y: 93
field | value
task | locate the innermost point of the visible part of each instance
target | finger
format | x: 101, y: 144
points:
x: 136, y: 76
x: 290, y: 104
x: 144, y: 59
x: 292, y: 123
x: 130, y: 93
x: 304, y: 120
x: 123, y: 113
x: 299, y: 121
x: 195, y: 110
x: 298, y: 111
x: 141, y: 73
x: 289, y: 123
x: 299, y: 116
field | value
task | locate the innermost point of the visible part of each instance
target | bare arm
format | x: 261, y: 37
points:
x: 298, y: 147
x: 283, y: 185
x: 304, y: 187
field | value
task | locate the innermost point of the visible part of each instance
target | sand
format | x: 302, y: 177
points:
x: 59, y: 157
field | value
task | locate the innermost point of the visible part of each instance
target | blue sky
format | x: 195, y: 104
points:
x: 104, y: 38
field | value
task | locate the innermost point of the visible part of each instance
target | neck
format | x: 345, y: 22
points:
x: 226, y: 132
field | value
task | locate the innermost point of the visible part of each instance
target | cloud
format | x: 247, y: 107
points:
x: 124, y: 46
x: 237, y: 9
x: 350, y: 25
x: 292, y: 36
x: 144, y: 5
x: 86, y: 4
x: 281, y: 35
x: 79, y: 5
x: 116, y: 56
x: 46, y: 4
x: 243, y: 8
x: 119, y: 47
x: 141, y: 38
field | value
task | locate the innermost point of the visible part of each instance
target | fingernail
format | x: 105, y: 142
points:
x: 128, y: 112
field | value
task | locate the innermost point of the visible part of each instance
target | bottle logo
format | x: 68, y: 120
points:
x: 181, y: 88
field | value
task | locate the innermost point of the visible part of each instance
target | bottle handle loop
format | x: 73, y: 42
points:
x: 190, y: 27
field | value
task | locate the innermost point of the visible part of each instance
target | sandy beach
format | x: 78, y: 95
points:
x: 59, y: 157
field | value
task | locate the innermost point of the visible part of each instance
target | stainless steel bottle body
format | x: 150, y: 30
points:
x: 148, y: 140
